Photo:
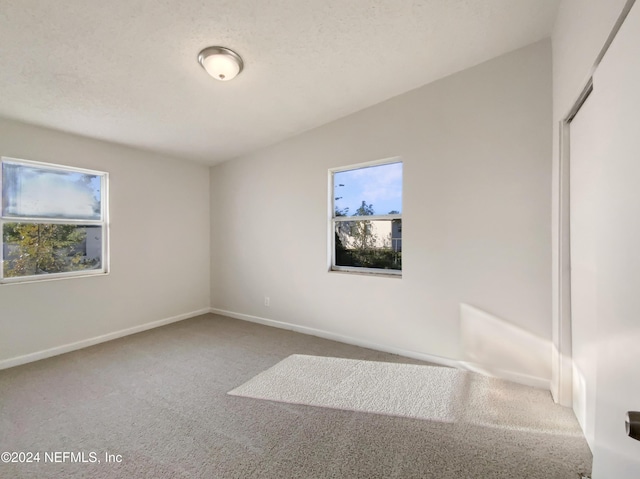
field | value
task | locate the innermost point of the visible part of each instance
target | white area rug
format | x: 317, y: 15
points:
x: 408, y: 390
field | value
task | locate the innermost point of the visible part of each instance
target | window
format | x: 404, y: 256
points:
x: 366, y: 218
x: 54, y: 221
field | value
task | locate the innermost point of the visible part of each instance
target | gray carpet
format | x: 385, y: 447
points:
x: 159, y: 400
x: 408, y: 390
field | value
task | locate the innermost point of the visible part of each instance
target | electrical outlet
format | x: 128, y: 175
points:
x: 267, y: 301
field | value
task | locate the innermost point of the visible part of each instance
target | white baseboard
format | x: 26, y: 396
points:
x: 454, y: 363
x: 442, y: 361
x: 513, y: 376
x: 47, y: 353
x: 339, y: 338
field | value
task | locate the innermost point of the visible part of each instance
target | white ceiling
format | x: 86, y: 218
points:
x: 126, y: 70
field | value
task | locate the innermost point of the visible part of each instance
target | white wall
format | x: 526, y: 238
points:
x: 580, y: 31
x: 477, y: 161
x: 159, y: 247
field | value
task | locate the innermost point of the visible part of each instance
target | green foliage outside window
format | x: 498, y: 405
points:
x: 33, y: 249
x: 363, y: 250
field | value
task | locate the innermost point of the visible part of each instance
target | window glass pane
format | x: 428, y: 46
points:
x: 38, y: 192
x: 35, y: 249
x: 369, y: 244
x: 368, y: 191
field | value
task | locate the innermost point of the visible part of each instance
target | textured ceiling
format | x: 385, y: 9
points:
x: 126, y: 70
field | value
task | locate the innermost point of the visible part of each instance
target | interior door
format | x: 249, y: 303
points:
x: 613, y: 115
x: 584, y: 174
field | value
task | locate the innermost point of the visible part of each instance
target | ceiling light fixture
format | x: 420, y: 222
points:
x: 221, y: 63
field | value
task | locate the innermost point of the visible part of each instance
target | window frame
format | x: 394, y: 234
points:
x: 395, y: 273
x: 103, y: 223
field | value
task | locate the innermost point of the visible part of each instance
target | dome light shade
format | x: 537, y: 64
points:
x: 221, y: 63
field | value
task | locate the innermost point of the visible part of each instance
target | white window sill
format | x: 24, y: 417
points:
x: 368, y: 272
